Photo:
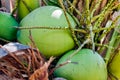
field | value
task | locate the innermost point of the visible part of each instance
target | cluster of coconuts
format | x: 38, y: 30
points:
x: 85, y: 65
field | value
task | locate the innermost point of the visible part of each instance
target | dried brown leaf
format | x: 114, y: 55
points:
x: 42, y: 72
x: 20, y: 63
x: 4, y: 77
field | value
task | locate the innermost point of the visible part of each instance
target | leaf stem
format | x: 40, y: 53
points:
x: 85, y: 42
x: 69, y: 24
x: 95, y: 7
x: 102, y: 15
x: 111, y: 45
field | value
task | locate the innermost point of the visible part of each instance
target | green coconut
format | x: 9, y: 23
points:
x: 50, y: 42
x: 85, y: 65
x: 7, y: 26
x: 114, y: 67
x: 25, y: 7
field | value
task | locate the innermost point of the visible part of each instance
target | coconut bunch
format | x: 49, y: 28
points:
x: 83, y: 35
x: 96, y: 30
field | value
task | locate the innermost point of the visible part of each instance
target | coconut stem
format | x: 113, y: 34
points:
x: 74, y: 4
x: 111, y: 45
x: 95, y: 7
x: 85, y: 42
x: 102, y: 15
x: 69, y: 24
x: 76, y: 10
x: 41, y: 27
x: 106, y: 35
x: 117, y: 42
x: 107, y: 29
x: 87, y: 12
x: 88, y: 23
x: 108, y: 9
x: 52, y: 28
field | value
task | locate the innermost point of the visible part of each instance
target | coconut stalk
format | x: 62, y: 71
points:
x: 114, y: 43
x: 111, y: 45
x: 69, y: 24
